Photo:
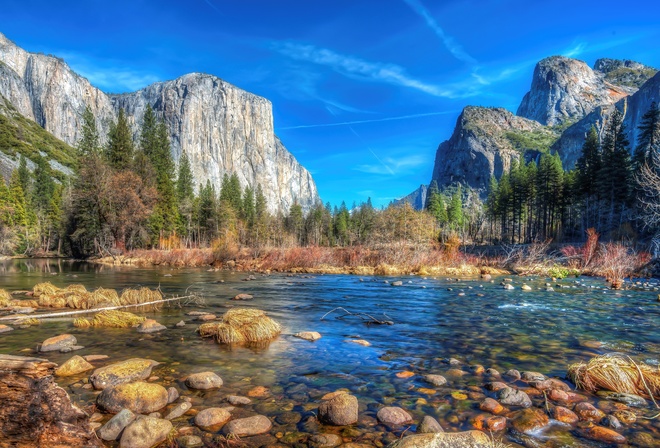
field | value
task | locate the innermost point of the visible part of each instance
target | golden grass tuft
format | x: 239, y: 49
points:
x: 77, y: 297
x: 82, y: 322
x: 616, y: 373
x: 5, y: 298
x: 110, y: 319
x: 31, y: 321
x: 242, y: 325
x: 24, y: 303
x: 45, y: 288
x: 138, y: 296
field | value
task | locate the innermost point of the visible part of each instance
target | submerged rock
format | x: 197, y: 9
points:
x: 436, y: 380
x: 429, y: 425
x: 133, y: 369
x: 139, y: 397
x: 204, y: 381
x: 57, y: 343
x: 467, y: 439
x: 145, y: 432
x: 393, y: 416
x: 73, y: 366
x: 627, y: 399
x: 212, y: 419
x: 178, y: 410
x: 308, y: 335
x: 236, y: 400
x: 602, y: 434
x: 5, y: 328
x: 514, y: 397
x: 528, y: 420
x: 246, y: 427
x: 150, y: 326
x: 340, y: 410
x: 243, y: 296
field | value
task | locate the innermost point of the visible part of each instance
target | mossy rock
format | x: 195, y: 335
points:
x: 139, y: 397
x: 467, y: 439
x: 73, y: 366
x: 133, y: 369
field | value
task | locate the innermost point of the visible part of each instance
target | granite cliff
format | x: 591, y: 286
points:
x: 566, y: 98
x: 222, y: 128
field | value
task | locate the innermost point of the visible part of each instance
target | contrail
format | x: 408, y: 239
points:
x: 208, y: 2
x: 377, y: 120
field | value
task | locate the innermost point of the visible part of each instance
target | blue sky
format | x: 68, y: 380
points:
x: 362, y: 91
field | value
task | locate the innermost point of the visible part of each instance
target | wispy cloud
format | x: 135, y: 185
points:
x: 375, y: 120
x: 110, y: 76
x: 356, y: 67
x: 210, y: 3
x: 450, y: 44
x: 394, y: 166
x: 576, y: 50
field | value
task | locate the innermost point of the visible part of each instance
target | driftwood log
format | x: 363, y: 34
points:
x: 35, y: 411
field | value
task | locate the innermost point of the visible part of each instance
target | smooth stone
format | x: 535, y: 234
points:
x: 397, y: 283
x: 361, y: 342
x: 172, y: 394
x: 532, y: 376
x: 150, y: 326
x: 145, y: 432
x: 605, y: 435
x: 325, y: 440
x: 340, y: 410
x: 57, y: 343
x: 393, y: 416
x: 204, y: 381
x: 206, y: 317
x: 212, y: 418
x: 189, y: 441
x: 133, y: 369
x: 5, y: 328
x: 71, y: 348
x: 467, y: 439
x: 512, y: 375
x: 492, y: 406
x: 565, y: 415
x: 179, y: 410
x: 628, y: 399
x: 73, y: 366
x: 139, y: 397
x: 92, y: 358
x: 436, y: 380
x: 243, y: 296
x: 429, y: 425
x: 180, y: 324
x: 308, y: 335
x: 237, y: 400
x: 513, y: 397
x: 246, y: 427
x: 113, y: 428
x: 588, y: 412
x: 526, y: 288
x: 529, y: 420
x: 508, y: 286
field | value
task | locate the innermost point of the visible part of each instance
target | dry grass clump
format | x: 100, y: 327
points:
x: 5, y: 298
x: 44, y: 288
x: 24, y: 303
x: 110, y: 319
x: 138, y: 296
x: 29, y: 321
x: 242, y: 325
x: 77, y: 296
x: 616, y: 373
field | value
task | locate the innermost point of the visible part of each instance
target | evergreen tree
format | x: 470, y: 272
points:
x: 455, y: 210
x: 24, y: 176
x: 166, y: 210
x: 549, y: 183
x: 149, y: 135
x: 295, y: 221
x: 235, y: 197
x: 248, y: 206
x: 435, y: 203
x: 44, y: 186
x: 207, y: 215
x: 589, y: 165
x: 260, y: 209
x: 649, y: 136
x: 119, y: 151
x: 184, y: 182
x: 89, y: 142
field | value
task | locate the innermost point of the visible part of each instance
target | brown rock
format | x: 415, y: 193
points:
x: 495, y: 386
x: 258, y: 392
x: 405, y: 374
x: 528, y: 420
x: 558, y: 395
x: 145, y: 432
x: 565, y: 415
x: 513, y: 397
x: 512, y: 375
x: 150, y: 326
x: 134, y: 369
x: 246, y: 427
x: 57, y: 343
x: 212, y: 419
x: 393, y: 416
x: 429, y: 425
x: 467, y: 439
x: 492, y: 406
x: 588, y: 412
x: 308, y: 335
x: 204, y: 381
x: 604, y: 435
x: 243, y: 296
x: 496, y: 424
x: 73, y: 366
x: 340, y: 410
x: 139, y: 397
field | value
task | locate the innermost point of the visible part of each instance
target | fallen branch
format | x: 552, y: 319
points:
x: 96, y: 310
x: 367, y: 318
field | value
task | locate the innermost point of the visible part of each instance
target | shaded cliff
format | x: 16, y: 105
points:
x: 222, y: 128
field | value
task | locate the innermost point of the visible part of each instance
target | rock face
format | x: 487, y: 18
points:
x: 34, y: 411
x: 624, y: 72
x: 565, y: 90
x: 417, y: 198
x: 222, y: 128
x: 483, y: 144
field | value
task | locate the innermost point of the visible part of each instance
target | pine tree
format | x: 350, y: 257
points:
x: 24, y: 176
x: 435, y: 203
x: 455, y: 210
x: 17, y: 201
x: 149, y: 135
x: 184, y: 182
x: 295, y: 221
x: 260, y: 207
x: 119, y: 151
x: 248, y: 207
x: 235, y: 197
x: 89, y: 142
x: 44, y: 186
x: 649, y: 136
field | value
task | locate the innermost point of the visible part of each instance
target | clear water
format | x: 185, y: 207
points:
x: 474, y: 321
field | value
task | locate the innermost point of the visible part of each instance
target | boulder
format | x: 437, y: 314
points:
x: 339, y: 410
x: 133, y: 369
x: 429, y: 425
x: 57, y: 343
x: 73, y: 366
x: 150, y: 326
x: 139, y: 397
x: 212, y: 419
x: 113, y: 428
x: 145, y: 432
x: 393, y: 416
x: 308, y: 335
x: 246, y: 427
x: 514, y: 397
x: 204, y: 381
x: 467, y: 439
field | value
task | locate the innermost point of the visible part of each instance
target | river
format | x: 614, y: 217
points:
x: 470, y: 319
